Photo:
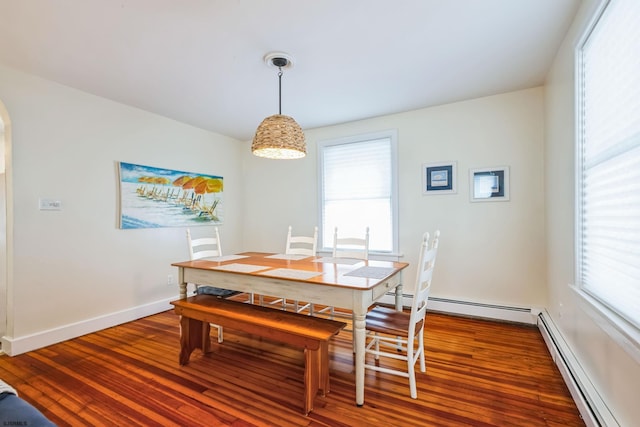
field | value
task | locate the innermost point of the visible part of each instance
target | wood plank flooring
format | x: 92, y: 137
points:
x: 479, y: 373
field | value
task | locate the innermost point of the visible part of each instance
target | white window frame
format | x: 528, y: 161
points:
x: 616, y: 325
x: 392, y: 135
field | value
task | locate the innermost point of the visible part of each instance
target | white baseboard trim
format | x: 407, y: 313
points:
x: 591, y: 406
x: 473, y: 309
x: 593, y: 410
x: 14, y: 346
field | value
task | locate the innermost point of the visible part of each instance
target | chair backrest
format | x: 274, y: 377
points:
x: 428, y: 252
x: 204, y: 247
x: 351, y: 247
x: 302, y: 245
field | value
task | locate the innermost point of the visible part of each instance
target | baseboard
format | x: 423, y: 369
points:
x: 15, y: 346
x: 473, y: 309
x: 592, y: 408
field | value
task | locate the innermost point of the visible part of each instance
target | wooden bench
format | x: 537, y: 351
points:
x: 309, y: 333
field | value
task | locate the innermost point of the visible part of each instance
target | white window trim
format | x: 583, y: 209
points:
x: 618, y: 328
x: 625, y: 334
x: 393, y: 135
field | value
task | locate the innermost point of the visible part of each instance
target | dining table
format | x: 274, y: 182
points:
x: 351, y: 284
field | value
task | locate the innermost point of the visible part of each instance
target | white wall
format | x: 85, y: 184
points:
x: 489, y: 252
x: 5, y: 135
x: 612, y: 371
x: 3, y: 255
x: 75, y: 265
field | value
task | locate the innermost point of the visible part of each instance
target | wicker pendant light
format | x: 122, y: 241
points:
x: 279, y: 136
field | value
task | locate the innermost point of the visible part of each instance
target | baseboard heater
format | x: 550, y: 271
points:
x: 490, y: 311
x: 593, y: 410
x: 473, y: 309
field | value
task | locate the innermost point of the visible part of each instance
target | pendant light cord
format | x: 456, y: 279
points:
x: 280, y: 90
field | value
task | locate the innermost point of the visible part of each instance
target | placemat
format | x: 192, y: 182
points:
x: 226, y: 258
x: 371, y: 272
x: 349, y: 261
x: 290, y: 273
x: 288, y: 257
x: 241, y: 268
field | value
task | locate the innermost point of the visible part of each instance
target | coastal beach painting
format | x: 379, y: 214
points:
x: 152, y: 197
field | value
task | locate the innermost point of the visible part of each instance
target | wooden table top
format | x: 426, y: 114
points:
x: 328, y: 273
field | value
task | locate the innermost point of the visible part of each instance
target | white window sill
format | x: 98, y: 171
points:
x: 378, y: 256
x: 619, y: 329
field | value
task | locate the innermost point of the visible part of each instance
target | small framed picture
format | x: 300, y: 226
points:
x: 439, y: 178
x: 489, y: 184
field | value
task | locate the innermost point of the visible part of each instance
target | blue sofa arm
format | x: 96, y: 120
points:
x: 15, y: 411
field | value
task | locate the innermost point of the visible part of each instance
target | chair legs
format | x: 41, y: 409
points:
x: 423, y: 367
x: 411, y: 356
x: 283, y: 304
x: 220, y: 332
x: 412, y: 383
x: 249, y: 299
x: 300, y: 308
x: 329, y: 309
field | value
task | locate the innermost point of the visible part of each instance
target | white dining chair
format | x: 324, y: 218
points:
x: 399, y: 335
x: 351, y: 247
x: 304, y: 246
x: 207, y: 248
x: 356, y: 247
x: 204, y: 247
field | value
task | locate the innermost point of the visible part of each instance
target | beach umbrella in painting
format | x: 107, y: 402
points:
x: 145, y: 191
x: 179, y: 182
x: 154, y: 181
x: 191, y: 184
x: 182, y: 180
x: 163, y: 180
x: 209, y: 185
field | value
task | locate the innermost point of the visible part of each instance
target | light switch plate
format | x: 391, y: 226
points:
x: 50, y: 205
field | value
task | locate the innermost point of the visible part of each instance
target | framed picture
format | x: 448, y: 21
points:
x: 439, y: 178
x: 489, y: 184
x: 152, y: 197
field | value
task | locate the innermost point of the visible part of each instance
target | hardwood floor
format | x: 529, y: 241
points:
x: 479, y: 373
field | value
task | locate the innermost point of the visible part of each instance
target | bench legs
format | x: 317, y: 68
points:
x: 316, y: 374
x: 193, y: 334
x: 312, y: 367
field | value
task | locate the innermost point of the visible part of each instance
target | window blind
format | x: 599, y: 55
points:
x: 609, y: 193
x: 357, y: 191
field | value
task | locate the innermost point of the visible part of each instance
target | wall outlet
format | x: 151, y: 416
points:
x: 170, y: 281
x: 560, y: 310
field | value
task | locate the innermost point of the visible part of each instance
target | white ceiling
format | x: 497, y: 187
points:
x: 201, y: 61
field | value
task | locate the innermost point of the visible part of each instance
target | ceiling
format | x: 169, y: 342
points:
x: 201, y: 61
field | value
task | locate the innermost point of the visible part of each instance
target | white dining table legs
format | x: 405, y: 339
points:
x: 359, y: 336
x: 361, y: 300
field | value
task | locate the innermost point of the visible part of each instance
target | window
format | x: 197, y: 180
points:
x: 358, y: 189
x: 608, y: 256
